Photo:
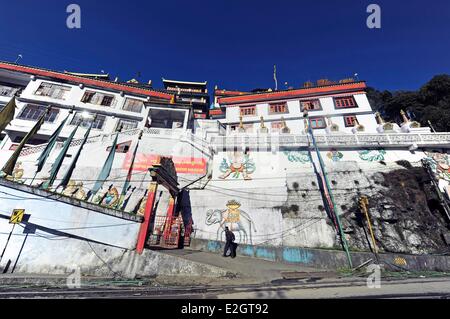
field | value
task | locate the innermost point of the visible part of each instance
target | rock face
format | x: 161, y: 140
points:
x: 404, y: 212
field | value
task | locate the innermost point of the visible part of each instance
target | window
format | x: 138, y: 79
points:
x: 127, y: 124
x: 345, y: 102
x: 349, y: 120
x: 278, y: 108
x: 78, y: 119
x: 133, y: 105
x: 318, y: 122
x: 248, y: 110
x: 52, y: 90
x: 276, y: 126
x: 33, y: 112
x: 98, y: 98
x: 311, y: 105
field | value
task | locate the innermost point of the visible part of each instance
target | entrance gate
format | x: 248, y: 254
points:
x: 162, y: 231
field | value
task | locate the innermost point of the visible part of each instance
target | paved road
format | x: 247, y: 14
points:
x: 296, y: 289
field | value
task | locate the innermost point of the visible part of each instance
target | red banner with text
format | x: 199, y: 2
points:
x: 183, y: 165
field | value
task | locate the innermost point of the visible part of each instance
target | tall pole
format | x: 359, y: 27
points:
x: 7, y: 242
x: 327, y: 184
x: 364, y: 202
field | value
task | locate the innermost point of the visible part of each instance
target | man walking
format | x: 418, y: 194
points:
x: 229, y: 245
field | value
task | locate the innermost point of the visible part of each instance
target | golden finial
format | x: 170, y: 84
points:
x: 379, y: 118
x: 262, y: 122
x: 404, y: 116
x: 284, y: 128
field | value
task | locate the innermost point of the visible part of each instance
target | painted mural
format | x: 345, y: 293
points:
x: 440, y: 165
x: 372, y: 155
x: 335, y: 155
x: 17, y: 173
x: 298, y: 156
x: 237, y: 220
x: 238, y: 163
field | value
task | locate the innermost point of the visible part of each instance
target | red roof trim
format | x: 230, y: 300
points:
x: 79, y: 79
x: 250, y: 98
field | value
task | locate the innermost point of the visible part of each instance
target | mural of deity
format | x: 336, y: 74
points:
x: 372, y: 155
x: 335, y: 155
x: 111, y: 198
x: 238, y: 163
x: 80, y: 193
x: 298, y: 156
x: 440, y: 164
x: 17, y: 173
x: 236, y: 219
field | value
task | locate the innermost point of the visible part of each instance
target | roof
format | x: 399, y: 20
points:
x: 218, y: 92
x: 84, y: 80
x: 184, y: 82
x: 89, y: 75
x: 290, y: 94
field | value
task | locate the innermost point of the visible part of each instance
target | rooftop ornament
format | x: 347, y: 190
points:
x: 284, y: 129
x: 241, y: 128
x: 382, y: 125
x: 407, y: 124
x: 332, y: 127
x: 263, y: 128
x: 358, y: 127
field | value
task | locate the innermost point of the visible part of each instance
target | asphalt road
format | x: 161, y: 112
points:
x: 436, y: 288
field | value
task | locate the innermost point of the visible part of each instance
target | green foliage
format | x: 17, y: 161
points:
x: 430, y: 103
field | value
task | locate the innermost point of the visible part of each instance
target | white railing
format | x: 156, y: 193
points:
x: 330, y: 140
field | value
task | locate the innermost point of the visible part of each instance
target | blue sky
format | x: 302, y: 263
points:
x: 234, y: 43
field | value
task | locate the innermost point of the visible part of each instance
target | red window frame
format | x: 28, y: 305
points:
x: 315, y: 121
x: 248, y: 110
x: 277, y: 108
x: 345, y: 102
x: 317, y: 106
x: 349, y: 120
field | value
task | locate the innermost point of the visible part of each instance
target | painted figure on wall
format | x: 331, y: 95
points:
x: 335, y: 155
x: 111, y: 197
x: 17, y: 173
x: 238, y: 163
x: 235, y: 219
x: 440, y: 164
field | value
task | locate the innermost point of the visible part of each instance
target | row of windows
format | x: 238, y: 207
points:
x: 316, y: 123
x: 59, y: 92
x: 310, y: 105
x: 33, y: 112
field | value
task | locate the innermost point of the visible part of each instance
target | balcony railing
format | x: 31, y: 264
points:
x: 266, y: 141
x: 7, y: 91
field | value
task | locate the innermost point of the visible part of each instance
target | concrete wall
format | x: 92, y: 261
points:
x: 280, y: 203
x: 67, y: 235
x: 330, y: 259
